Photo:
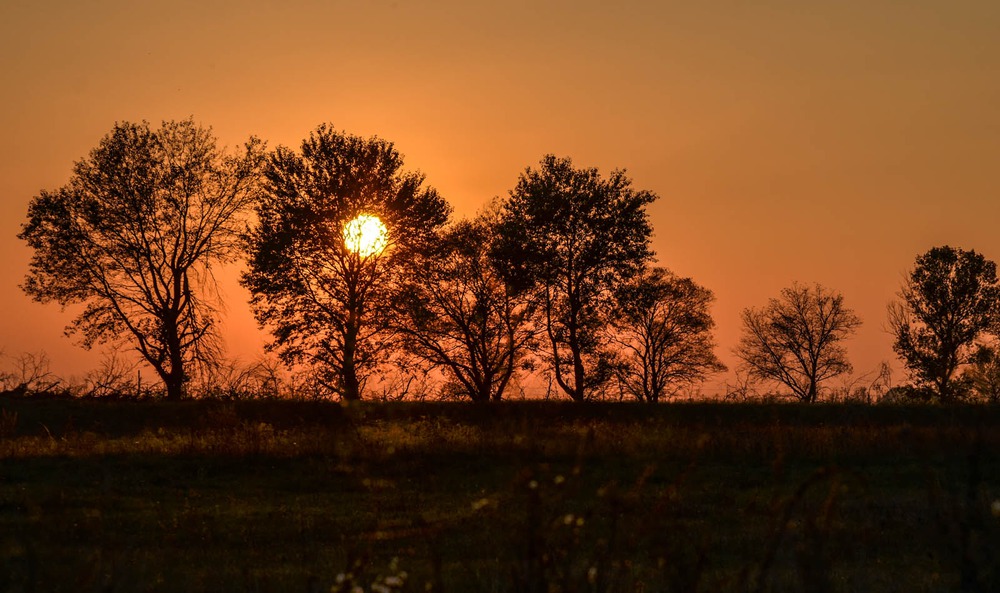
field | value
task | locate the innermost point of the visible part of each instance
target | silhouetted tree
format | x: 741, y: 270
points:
x: 983, y: 375
x: 796, y: 339
x: 948, y: 304
x: 135, y: 234
x: 325, y: 304
x: 575, y: 237
x: 664, y: 328
x: 459, y: 314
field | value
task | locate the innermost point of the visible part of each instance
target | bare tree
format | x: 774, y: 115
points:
x: 459, y: 314
x: 796, y: 339
x: 116, y: 376
x: 135, y: 236
x: 29, y: 373
x: 664, y: 329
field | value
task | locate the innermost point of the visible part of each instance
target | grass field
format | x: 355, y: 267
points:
x: 528, y: 496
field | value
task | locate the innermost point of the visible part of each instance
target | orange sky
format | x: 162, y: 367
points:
x: 788, y: 141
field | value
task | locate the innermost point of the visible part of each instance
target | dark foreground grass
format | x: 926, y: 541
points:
x: 299, y: 496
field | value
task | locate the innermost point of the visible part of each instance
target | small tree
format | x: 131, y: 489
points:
x: 796, y: 339
x: 949, y: 302
x: 457, y: 312
x: 983, y: 375
x: 664, y: 329
x: 574, y: 236
x: 318, y: 280
x: 135, y: 236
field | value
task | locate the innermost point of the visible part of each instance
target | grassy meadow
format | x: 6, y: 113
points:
x: 520, y: 497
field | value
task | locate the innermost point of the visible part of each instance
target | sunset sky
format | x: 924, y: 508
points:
x: 825, y: 142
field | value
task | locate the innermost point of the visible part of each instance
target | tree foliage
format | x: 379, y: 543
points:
x: 982, y: 377
x: 458, y: 313
x: 575, y: 237
x: 328, y: 306
x: 949, y: 302
x: 664, y: 329
x: 134, y: 237
x: 796, y: 340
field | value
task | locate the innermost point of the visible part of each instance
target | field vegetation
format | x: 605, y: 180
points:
x: 270, y: 495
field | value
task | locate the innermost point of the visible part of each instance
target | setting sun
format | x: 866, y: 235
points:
x: 366, y: 235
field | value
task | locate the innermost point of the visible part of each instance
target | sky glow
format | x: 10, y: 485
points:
x: 827, y: 141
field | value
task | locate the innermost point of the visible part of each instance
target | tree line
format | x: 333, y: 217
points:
x: 557, y: 276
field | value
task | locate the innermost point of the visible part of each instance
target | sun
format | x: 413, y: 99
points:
x: 366, y: 235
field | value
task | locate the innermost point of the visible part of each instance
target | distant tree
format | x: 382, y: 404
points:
x: 135, y: 236
x: 325, y: 301
x: 575, y: 237
x: 796, y: 339
x: 982, y: 377
x: 459, y: 314
x: 949, y: 303
x: 664, y: 328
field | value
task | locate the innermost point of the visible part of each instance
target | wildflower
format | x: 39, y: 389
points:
x: 568, y: 519
x: 533, y: 485
x: 341, y: 577
x: 480, y: 504
x: 393, y: 581
x: 592, y: 575
x: 559, y: 480
x: 357, y: 589
x: 995, y: 508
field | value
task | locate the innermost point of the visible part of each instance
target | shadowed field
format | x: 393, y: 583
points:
x: 300, y: 496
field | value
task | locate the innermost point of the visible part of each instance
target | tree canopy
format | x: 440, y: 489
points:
x: 325, y: 304
x: 948, y: 303
x: 575, y: 237
x: 459, y: 314
x: 664, y: 329
x: 134, y: 237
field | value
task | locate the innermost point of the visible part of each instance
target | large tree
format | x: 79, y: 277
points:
x: 664, y: 329
x: 949, y: 303
x: 325, y: 300
x: 574, y: 236
x: 135, y: 235
x: 796, y: 340
x: 459, y: 314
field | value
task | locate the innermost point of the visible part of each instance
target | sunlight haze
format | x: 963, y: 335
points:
x: 826, y: 142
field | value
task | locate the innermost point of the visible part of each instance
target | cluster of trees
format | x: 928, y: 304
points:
x: 945, y: 327
x: 559, y: 274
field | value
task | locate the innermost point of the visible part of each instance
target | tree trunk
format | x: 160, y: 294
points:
x: 577, y: 393
x: 352, y: 387
x: 174, y: 378
x: 175, y: 387
x: 349, y: 370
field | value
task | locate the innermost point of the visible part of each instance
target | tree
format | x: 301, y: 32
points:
x: 457, y: 312
x: 325, y: 300
x: 664, y: 329
x: 796, y: 339
x: 949, y: 302
x: 982, y: 377
x: 575, y: 237
x: 135, y: 236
